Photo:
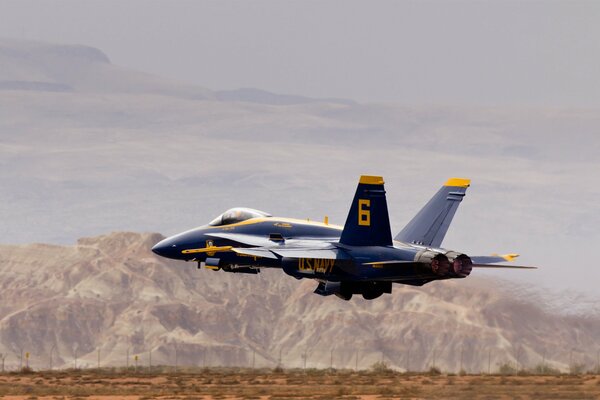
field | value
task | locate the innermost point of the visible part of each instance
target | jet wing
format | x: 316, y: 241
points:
x: 270, y: 252
x: 489, y: 261
x: 325, y: 254
x: 254, y: 252
x: 262, y: 246
x: 265, y: 241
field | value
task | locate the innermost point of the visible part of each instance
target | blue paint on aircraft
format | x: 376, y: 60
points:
x: 359, y: 258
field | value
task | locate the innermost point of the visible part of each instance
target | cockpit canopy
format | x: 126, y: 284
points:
x: 237, y: 214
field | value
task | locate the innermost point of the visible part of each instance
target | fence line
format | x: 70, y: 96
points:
x: 457, y: 359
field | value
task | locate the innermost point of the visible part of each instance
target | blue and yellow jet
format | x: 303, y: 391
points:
x: 359, y: 258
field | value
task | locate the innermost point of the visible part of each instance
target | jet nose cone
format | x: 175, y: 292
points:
x: 164, y: 248
x: 157, y: 249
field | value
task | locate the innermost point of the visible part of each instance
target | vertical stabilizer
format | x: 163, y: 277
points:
x: 430, y: 225
x: 368, y: 222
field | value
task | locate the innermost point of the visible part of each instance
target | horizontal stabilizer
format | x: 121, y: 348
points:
x: 493, y: 259
x: 502, y: 266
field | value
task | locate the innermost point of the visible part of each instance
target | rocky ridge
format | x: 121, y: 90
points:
x: 110, y: 294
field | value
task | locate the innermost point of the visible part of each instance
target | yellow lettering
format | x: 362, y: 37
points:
x: 364, y: 212
x: 322, y: 266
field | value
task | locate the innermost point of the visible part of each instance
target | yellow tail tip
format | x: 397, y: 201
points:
x: 458, y: 182
x: 371, y: 180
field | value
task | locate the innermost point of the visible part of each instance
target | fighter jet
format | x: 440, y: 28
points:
x: 359, y: 258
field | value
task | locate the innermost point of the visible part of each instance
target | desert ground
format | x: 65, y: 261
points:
x: 232, y: 383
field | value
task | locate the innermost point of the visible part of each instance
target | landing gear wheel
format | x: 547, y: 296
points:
x: 344, y: 296
x: 372, y: 294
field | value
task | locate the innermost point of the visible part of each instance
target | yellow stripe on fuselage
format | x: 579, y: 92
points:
x: 212, y: 249
x: 275, y: 220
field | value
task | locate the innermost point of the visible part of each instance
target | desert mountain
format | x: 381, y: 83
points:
x: 46, y: 67
x: 35, y: 66
x: 110, y: 293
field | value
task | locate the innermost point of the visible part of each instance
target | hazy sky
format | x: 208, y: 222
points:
x: 515, y: 53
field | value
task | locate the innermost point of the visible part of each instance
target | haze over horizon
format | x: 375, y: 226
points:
x: 464, y: 53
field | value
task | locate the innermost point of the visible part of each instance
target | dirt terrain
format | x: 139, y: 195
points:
x: 295, y: 384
